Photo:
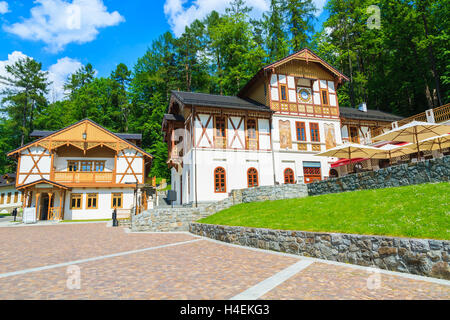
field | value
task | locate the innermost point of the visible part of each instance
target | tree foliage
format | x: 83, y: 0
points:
x: 401, y: 67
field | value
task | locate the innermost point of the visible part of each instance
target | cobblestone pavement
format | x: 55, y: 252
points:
x: 173, y: 266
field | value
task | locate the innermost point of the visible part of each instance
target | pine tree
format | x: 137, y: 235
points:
x: 26, y: 86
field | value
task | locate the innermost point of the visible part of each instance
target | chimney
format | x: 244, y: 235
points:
x: 362, y: 107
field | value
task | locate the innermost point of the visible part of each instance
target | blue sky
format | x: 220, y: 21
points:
x: 63, y: 34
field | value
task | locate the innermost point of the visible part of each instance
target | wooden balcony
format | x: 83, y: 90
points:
x: 83, y: 177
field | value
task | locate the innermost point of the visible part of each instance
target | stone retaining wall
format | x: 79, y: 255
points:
x: 434, y: 170
x: 178, y: 219
x: 416, y: 256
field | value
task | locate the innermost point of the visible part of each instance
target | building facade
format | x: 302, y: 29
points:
x: 268, y: 134
x: 81, y: 172
x: 10, y: 197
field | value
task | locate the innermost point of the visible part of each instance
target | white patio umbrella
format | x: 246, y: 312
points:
x: 390, y: 151
x: 350, y: 151
x: 433, y: 143
x: 414, y: 132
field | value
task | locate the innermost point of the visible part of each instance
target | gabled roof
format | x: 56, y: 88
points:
x: 4, y: 179
x: 213, y: 100
x: 307, y: 55
x: 376, y: 115
x: 96, y: 135
x: 303, y: 55
x: 125, y: 136
x: 43, y: 181
x: 173, y: 117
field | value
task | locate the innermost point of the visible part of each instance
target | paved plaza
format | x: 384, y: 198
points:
x: 94, y: 261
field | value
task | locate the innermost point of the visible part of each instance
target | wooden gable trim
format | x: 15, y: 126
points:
x: 307, y: 55
x: 46, y: 142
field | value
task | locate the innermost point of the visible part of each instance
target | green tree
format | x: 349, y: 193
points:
x: 24, y: 94
x: 300, y: 16
x: 121, y: 78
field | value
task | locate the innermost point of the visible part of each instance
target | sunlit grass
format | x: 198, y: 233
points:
x: 419, y: 211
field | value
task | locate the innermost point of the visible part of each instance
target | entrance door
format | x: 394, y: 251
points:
x: 44, y: 207
x: 312, y: 174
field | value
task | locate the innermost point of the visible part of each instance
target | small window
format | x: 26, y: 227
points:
x: 220, y: 127
x: 99, y: 166
x: 220, y: 184
x: 315, y: 135
x: 301, y: 131
x: 251, y: 129
x: 73, y: 166
x: 16, y: 197
x: 75, y: 201
x: 252, y: 177
x: 9, y: 198
x: 86, y: 166
x: 220, y: 136
x: 116, y: 200
x: 289, y: 176
x: 283, y: 92
x: 324, y: 97
x: 92, y: 201
x: 252, y: 140
x: 354, y: 136
x: 2, y: 199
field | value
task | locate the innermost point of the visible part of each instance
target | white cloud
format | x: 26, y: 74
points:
x: 59, y: 22
x: 12, y: 58
x: 180, y: 14
x: 4, y: 7
x: 57, y: 73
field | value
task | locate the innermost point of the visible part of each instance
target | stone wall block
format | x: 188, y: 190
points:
x: 416, y: 256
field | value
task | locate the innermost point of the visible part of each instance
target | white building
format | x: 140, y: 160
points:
x: 10, y: 197
x: 268, y: 134
x: 81, y: 172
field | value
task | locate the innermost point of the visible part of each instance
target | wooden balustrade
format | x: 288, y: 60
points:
x: 442, y: 113
x: 84, y: 177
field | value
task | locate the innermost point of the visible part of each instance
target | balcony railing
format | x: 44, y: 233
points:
x: 84, y: 177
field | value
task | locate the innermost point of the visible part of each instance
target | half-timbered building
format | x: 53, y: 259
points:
x: 268, y: 134
x: 81, y: 172
x: 216, y: 144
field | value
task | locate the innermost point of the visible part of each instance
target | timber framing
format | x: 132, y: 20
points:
x: 302, y: 55
x: 60, y: 138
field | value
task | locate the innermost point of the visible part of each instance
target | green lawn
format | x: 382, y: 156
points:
x: 420, y: 211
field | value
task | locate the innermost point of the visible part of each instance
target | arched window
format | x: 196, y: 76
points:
x: 220, y: 183
x: 334, y: 173
x: 252, y: 177
x: 289, y: 176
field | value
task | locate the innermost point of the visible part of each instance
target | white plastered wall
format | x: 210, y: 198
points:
x: 4, y: 191
x: 104, y: 210
x: 123, y: 167
x: 235, y: 162
x: 27, y: 165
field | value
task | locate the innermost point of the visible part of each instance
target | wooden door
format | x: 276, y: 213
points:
x: 312, y: 174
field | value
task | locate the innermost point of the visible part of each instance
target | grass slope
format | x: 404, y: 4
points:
x: 420, y: 211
